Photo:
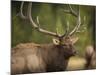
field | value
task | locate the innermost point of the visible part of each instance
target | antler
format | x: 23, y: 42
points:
x: 77, y: 15
x: 37, y: 25
x: 21, y: 11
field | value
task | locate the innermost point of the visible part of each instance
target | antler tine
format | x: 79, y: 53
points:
x: 66, y: 31
x: 71, y: 11
x: 78, y: 24
x: 37, y: 26
x: 21, y: 11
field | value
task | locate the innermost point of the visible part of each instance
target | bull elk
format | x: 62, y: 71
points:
x: 34, y: 58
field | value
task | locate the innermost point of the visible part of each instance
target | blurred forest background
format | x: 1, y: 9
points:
x: 51, y: 16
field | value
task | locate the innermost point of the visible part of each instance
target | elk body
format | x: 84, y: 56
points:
x: 33, y: 58
x: 90, y: 56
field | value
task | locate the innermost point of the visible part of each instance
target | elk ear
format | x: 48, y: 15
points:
x: 56, y: 41
x: 74, y: 40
